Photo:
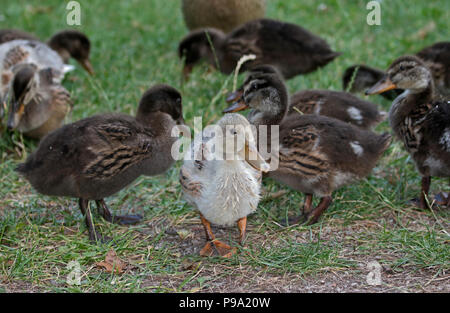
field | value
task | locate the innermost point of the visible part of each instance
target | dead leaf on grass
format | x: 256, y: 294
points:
x: 112, y: 263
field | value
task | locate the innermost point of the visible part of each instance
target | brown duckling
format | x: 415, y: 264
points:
x: 337, y: 104
x: 436, y: 57
x: 38, y: 105
x: 317, y: 154
x: 67, y: 43
x: 422, y: 123
x: 97, y: 156
x: 224, y: 15
x: 291, y: 48
x: 359, y: 77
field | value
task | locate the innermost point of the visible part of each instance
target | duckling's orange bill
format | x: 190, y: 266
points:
x: 234, y: 96
x: 382, y: 86
x: 236, y: 106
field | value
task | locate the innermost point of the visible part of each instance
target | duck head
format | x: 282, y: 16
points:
x: 75, y: 44
x: 238, y: 142
x: 23, y: 89
x: 197, y: 46
x: 408, y: 73
x: 254, y: 71
x: 160, y: 101
x: 267, y: 96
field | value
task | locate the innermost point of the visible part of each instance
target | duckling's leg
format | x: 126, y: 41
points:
x: 85, y: 210
x: 117, y: 219
x: 315, y: 214
x: 220, y: 247
x: 242, y: 225
x: 306, y: 210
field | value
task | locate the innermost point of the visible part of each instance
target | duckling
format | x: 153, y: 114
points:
x: 38, y: 105
x: 316, y: 154
x: 223, y: 15
x: 224, y: 186
x: 418, y: 120
x: 337, y: 104
x: 96, y: 157
x: 359, y: 77
x: 436, y: 57
x: 291, y: 48
x: 67, y: 43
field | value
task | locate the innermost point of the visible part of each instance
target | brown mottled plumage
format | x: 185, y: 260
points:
x: 224, y: 15
x: 420, y: 121
x: 337, y: 104
x: 317, y: 154
x: 289, y: 47
x: 38, y: 105
x: 97, y: 156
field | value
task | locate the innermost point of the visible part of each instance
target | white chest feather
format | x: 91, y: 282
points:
x: 231, y: 193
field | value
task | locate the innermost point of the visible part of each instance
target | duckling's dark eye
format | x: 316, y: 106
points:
x: 402, y: 68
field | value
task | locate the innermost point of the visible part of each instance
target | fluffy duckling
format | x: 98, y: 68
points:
x: 223, y: 15
x: 422, y: 123
x: 337, y: 104
x: 436, y: 57
x: 291, y: 48
x: 97, y: 156
x: 224, y: 186
x: 317, y: 154
x: 38, y: 105
x: 67, y: 43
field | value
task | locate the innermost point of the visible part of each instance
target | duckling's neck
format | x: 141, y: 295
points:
x: 417, y: 96
x: 271, y: 111
x: 160, y: 124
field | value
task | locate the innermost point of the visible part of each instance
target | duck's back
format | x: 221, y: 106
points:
x: 341, y: 105
x: 339, y: 145
x: 92, y: 158
x: 291, y: 48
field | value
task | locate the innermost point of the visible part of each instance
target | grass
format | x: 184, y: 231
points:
x: 134, y: 46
